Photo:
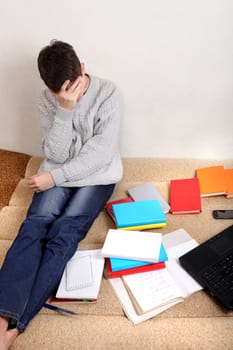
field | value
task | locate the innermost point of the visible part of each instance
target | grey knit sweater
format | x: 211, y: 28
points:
x: 81, y: 146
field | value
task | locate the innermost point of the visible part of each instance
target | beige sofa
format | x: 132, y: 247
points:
x: 197, y: 323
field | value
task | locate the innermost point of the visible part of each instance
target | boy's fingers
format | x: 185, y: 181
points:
x: 74, y: 87
x: 76, y: 84
x: 65, y: 85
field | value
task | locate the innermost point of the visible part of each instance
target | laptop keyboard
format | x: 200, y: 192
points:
x: 220, y: 276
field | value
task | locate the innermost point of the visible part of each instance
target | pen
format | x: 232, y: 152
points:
x: 59, y: 309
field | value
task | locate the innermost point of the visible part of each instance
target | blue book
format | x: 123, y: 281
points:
x: 123, y: 264
x: 144, y: 214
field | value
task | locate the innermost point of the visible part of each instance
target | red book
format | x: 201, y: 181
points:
x: 110, y: 274
x: 108, y: 206
x: 185, y: 196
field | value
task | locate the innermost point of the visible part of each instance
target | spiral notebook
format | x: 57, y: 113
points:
x: 79, y: 273
x: 82, y: 276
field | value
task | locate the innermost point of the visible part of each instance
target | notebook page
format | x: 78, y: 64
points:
x: 178, y: 243
x: 152, y: 289
x: 128, y: 307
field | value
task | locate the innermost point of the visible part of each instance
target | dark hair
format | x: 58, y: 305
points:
x: 58, y: 62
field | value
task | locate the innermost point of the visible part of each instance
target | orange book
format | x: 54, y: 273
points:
x: 212, y: 181
x: 229, y: 182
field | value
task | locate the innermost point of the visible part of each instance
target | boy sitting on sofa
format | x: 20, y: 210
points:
x: 80, y: 117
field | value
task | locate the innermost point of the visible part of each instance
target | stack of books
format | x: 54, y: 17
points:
x: 143, y: 267
x: 128, y: 252
x: 132, y: 213
x: 146, y: 294
x: 145, y: 208
x: 139, y: 215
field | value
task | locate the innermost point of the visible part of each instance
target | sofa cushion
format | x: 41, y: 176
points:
x: 198, y: 322
x: 12, y: 169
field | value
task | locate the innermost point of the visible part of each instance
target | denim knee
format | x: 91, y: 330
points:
x: 69, y: 229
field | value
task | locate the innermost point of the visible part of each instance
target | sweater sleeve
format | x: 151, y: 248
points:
x: 56, y: 128
x: 99, y: 151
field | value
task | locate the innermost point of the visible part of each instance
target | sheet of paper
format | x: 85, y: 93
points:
x: 175, y: 238
x: 128, y: 307
x: 178, y: 243
x: 185, y: 282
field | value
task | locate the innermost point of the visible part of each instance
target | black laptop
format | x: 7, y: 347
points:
x: 211, y: 265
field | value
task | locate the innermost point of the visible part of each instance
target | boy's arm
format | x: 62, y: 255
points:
x: 56, y: 128
x: 56, y: 113
x: 98, y: 151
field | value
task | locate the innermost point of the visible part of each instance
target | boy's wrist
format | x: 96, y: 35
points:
x: 67, y: 105
x: 63, y: 113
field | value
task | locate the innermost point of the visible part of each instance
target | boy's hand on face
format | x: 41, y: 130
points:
x: 70, y: 93
x: 41, y: 182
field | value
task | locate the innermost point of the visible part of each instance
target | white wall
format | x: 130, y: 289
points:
x: 172, y: 59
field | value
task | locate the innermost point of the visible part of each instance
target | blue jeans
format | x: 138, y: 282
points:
x: 57, y: 220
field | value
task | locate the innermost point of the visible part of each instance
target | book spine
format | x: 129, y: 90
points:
x: 142, y: 227
x: 130, y: 271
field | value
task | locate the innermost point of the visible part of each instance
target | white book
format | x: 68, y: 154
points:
x: 145, y: 295
x: 147, y: 191
x: 136, y: 245
x: 82, y: 276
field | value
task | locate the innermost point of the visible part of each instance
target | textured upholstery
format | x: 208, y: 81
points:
x: 198, y: 323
